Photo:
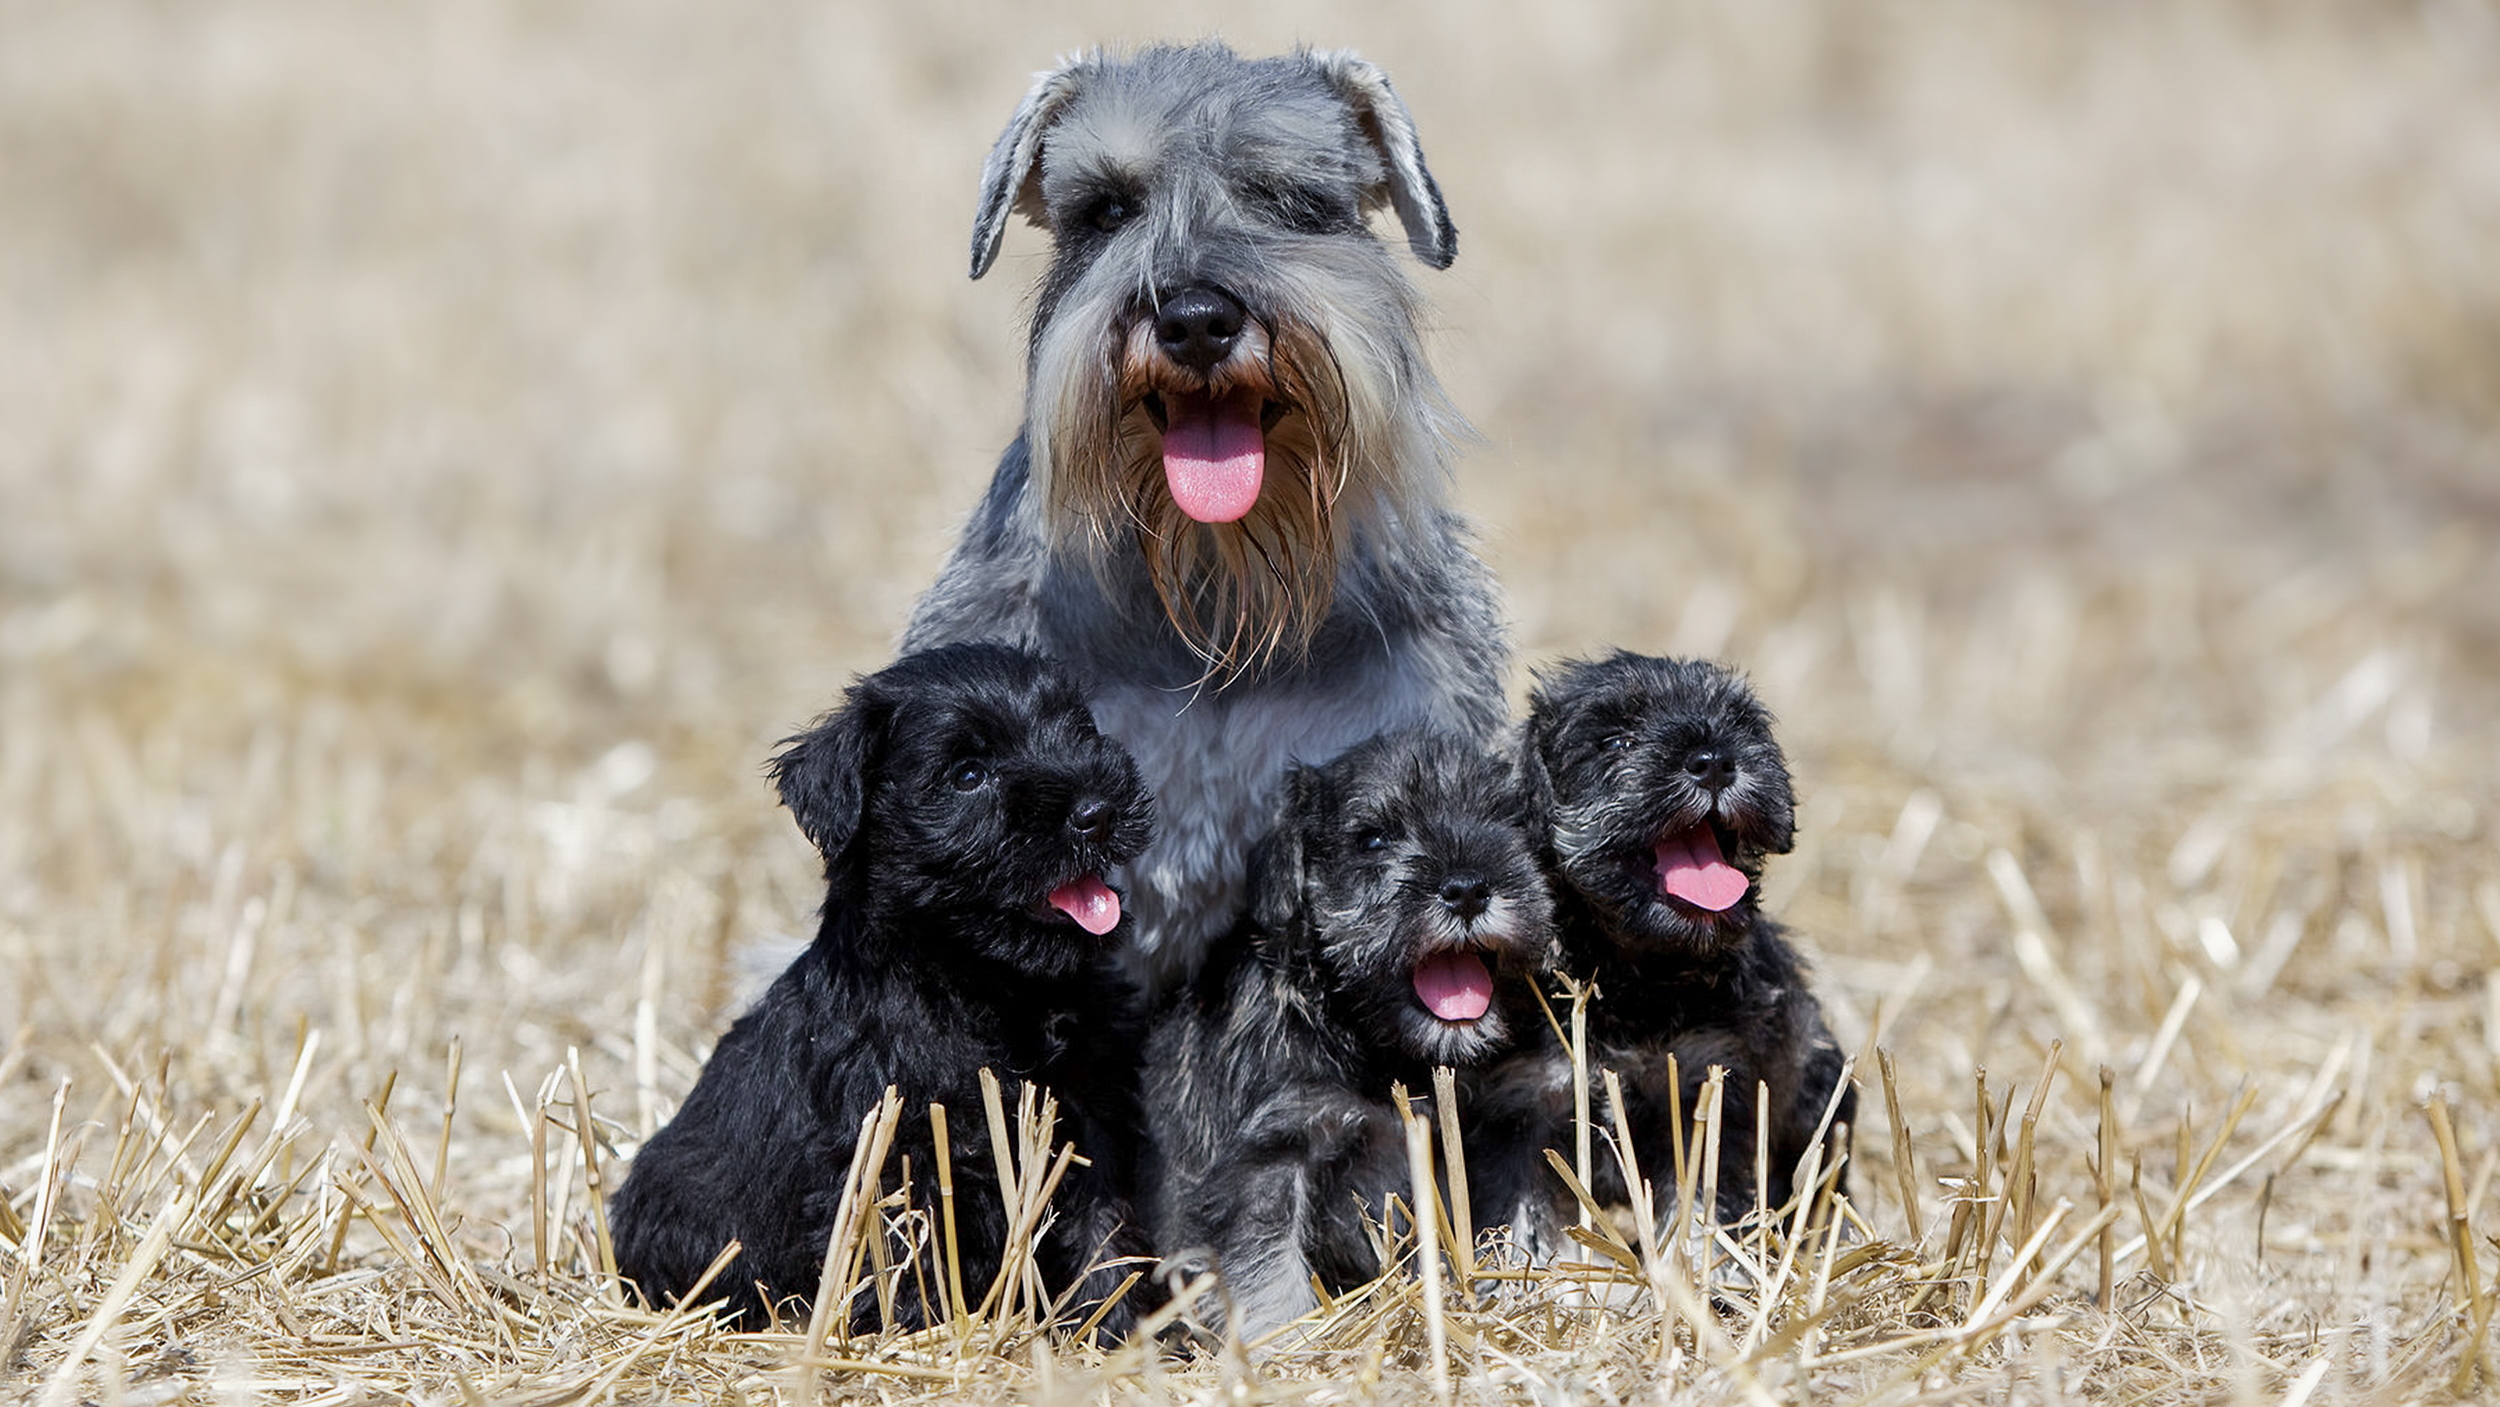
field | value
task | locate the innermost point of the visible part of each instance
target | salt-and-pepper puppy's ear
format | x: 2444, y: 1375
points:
x: 1276, y: 864
x: 1406, y: 184
x: 1009, y: 178
x: 822, y: 775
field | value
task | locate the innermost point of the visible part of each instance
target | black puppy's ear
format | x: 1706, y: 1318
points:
x: 822, y: 775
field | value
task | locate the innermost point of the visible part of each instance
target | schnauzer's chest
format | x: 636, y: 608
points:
x: 1214, y: 762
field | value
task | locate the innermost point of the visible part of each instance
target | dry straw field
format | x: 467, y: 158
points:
x: 443, y: 446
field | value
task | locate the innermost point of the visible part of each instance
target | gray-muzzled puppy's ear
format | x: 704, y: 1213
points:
x: 1010, y: 177
x: 1406, y: 184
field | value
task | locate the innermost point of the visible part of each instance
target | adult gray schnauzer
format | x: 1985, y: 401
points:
x: 1226, y: 510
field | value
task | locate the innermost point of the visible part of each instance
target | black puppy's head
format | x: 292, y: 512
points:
x: 964, y: 802
x: 1661, y: 790
x: 1404, y: 875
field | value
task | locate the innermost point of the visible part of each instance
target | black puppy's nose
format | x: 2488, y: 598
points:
x: 1466, y: 895
x: 1711, y: 768
x: 1093, y: 818
x: 1198, y: 326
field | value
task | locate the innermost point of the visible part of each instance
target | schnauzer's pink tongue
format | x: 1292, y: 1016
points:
x: 1214, y: 453
x: 1454, y: 986
x: 1090, y: 902
x: 1691, y: 868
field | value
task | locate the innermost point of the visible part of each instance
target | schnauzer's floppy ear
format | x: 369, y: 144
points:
x: 1407, y: 185
x: 1007, y: 177
x: 822, y: 774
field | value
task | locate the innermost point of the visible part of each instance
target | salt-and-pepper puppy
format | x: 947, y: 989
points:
x: 968, y: 811
x: 1227, y: 509
x: 1397, y: 921
x: 1661, y: 790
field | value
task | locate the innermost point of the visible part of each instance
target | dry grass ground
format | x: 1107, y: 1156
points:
x: 442, y: 446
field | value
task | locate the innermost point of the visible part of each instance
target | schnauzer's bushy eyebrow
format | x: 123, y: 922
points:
x: 1095, y: 173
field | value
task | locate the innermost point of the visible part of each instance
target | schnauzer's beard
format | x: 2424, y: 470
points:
x: 1348, y: 438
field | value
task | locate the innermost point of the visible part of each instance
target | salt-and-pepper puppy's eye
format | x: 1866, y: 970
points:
x: 1371, y: 840
x: 1617, y: 742
x: 971, y: 774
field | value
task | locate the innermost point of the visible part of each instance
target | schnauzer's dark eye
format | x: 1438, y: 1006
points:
x: 1310, y: 210
x: 1618, y: 742
x: 1371, y: 839
x: 1109, y: 213
x: 969, y: 774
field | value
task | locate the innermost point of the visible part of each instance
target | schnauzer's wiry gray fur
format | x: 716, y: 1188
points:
x: 1207, y: 218
x: 1268, y: 1081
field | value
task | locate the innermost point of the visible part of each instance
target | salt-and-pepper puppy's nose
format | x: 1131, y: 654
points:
x: 1466, y: 895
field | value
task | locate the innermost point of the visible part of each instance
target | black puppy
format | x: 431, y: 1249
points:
x: 1397, y: 919
x: 967, y: 811
x: 1661, y: 790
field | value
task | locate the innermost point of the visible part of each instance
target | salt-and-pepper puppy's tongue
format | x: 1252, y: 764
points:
x: 1090, y: 902
x: 1691, y: 868
x: 1454, y: 986
x: 1214, y: 453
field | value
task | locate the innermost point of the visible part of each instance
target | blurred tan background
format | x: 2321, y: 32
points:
x: 443, y: 446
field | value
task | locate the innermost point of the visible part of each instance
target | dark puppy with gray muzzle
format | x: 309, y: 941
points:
x: 1661, y: 791
x: 1397, y: 921
x: 1226, y: 510
x: 968, y: 812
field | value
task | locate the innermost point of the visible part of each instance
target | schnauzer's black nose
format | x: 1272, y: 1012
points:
x: 1711, y: 768
x: 1466, y: 895
x: 1198, y: 326
x: 1093, y: 818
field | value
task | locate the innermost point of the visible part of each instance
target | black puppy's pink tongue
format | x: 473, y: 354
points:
x: 1214, y: 453
x: 1691, y: 868
x: 1454, y: 986
x: 1090, y: 902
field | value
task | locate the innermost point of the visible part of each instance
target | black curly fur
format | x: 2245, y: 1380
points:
x: 1619, y: 753
x: 951, y: 794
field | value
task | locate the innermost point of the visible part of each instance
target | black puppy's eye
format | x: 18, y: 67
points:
x: 969, y: 774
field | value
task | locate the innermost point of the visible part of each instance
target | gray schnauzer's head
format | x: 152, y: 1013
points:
x: 1662, y: 790
x: 1224, y: 368
x: 1402, y: 882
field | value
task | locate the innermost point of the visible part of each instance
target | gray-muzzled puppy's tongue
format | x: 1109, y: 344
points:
x: 1691, y: 868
